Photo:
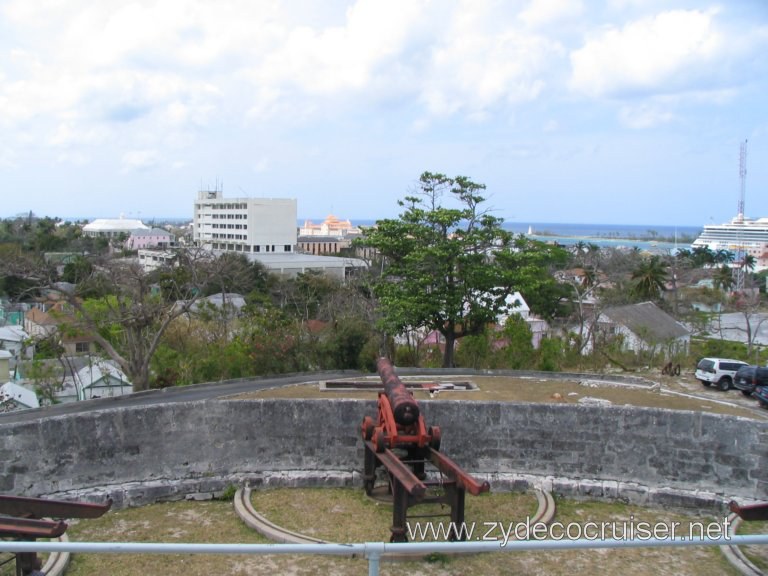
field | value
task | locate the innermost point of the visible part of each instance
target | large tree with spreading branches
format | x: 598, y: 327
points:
x: 445, y: 261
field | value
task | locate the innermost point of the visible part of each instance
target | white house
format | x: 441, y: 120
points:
x: 15, y: 397
x: 101, y: 380
x: 12, y: 339
x: 153, y: 259
x: 644, y: 326
x: 514, y: 304
x: 113, y: 227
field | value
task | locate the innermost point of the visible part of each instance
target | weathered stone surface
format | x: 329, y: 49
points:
x: 172, y: 450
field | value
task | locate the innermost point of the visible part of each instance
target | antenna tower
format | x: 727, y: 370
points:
x: 742, y: 178
x: 741, y: 253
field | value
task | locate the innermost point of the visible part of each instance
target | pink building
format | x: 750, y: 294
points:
x: 151, y: 238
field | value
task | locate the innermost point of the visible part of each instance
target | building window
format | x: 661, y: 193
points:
x: 287, y: 248
x: 257, y: 248
x: 81, y: 347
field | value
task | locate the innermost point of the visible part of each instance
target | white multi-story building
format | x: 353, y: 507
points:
x: 249, y: 225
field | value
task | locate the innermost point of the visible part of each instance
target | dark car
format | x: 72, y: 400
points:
x: 748, y: 377
x: 761, y: 393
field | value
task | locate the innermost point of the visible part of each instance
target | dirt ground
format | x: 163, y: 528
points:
x: 672, y: 392
x: 347, y: 515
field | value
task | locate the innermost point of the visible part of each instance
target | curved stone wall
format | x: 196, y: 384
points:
x: 195, y: 449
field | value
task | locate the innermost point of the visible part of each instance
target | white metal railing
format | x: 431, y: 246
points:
x: 372, y: 551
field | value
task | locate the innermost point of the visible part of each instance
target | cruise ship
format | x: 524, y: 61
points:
x: 740, y: 235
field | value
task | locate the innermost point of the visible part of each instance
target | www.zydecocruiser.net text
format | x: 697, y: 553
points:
x: 623, y: 530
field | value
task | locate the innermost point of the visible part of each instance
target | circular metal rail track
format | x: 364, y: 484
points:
x: 735, y: 556
x: 545, y: 512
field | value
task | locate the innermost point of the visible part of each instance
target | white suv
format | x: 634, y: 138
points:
x: 719, y: 371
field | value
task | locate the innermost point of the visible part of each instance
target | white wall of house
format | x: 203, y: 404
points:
x: 12, y: 339
x: 106, y: 388
x: 102, y: 380
x: 154, y: 259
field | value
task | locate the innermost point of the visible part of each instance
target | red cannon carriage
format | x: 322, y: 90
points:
x: 401, y: 443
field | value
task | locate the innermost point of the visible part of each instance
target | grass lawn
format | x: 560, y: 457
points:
x: 344, y: 515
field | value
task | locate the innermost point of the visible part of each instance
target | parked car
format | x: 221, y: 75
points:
x: 718, y: 371
x: 761, y: 393
x: 748, y: 377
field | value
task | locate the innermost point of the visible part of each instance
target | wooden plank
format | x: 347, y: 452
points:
x: 454, y: 472
x: 402, y: 472
x: 30, y: 528
x: 41, y: 508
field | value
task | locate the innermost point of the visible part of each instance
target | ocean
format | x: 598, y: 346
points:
x: 631, y: 231
x: 653, y: 237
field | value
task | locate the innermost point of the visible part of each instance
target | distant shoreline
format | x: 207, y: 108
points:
x: 609, y: 233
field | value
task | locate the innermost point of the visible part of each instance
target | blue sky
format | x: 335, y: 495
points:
x: 621, y: 111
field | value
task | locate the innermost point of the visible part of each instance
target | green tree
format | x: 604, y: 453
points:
x: 529, y: 266
x: 129, y: 316
x: 724, y: 256
x: 517, y: 352
x: 46, y: 379
x: 702, y: 256
x: 77, y: 270
x: 650, y: 278
x: 551, y: 351
x: 723, y: 278
x: 474, y: 351
x: 442, y: 263
x: 239, y: 275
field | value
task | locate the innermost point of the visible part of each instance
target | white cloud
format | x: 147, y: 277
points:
x: 542, y: 12
x: 477, y: 63
x: 551, y: 125
x: 68, y: 133
x: 261, y: 165
x: 664, y: 53
x: 140, y: 160
x: 329, y: 60
x: 7, y: 157
x: 644, y: 116
x: 74, y: 158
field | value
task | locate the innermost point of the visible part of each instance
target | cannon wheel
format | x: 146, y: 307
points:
x: 368, y: 427
x: 434, y: 443
x: 380, y: 441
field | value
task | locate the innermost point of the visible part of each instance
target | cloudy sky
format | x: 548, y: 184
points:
x: 613, y: 111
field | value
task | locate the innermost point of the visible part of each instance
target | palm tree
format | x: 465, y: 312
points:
x: 724, y: 256
x: 723, y: 278
x: 589, y: 279
x: 702, y: 256
x: 650, y: 278
x: 579, y: 247
x: 684, y: 256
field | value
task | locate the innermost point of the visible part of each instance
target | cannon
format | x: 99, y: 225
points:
x: 400, y: 423
x: 400, y: 442
x: 27, y: 519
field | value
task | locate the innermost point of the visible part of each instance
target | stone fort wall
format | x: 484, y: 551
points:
x: 195, y: 449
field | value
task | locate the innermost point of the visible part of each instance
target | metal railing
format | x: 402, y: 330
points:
x: 372, y: 551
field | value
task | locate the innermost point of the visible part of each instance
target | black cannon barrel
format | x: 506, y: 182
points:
x: 404, y: 406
